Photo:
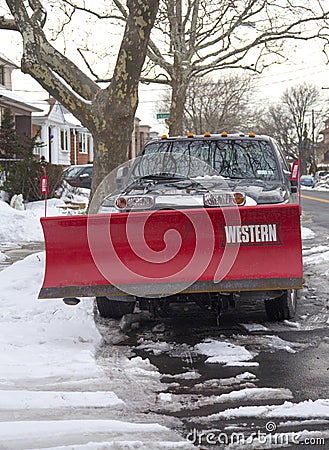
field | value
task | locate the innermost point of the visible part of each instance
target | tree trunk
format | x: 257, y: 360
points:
x: 115, y: 107
x: 178, y: 99
x: 107, y: 113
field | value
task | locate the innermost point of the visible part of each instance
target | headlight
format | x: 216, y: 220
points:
x: 134, y: 202
x: 224, y: 199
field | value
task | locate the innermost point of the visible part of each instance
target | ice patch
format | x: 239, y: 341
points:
x: 224, y: 352
x: 318, y: 409
x: 316, y: 258
x: 165, y: 397
x: 253, y: 394
x: 32, y: 434
x: 254, y: 327
x: 246, y: 376
x: 184, y: 376
x: 307, y: 233
x: 314, y: 250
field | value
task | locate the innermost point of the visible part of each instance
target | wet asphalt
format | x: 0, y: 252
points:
x: 303, y: 369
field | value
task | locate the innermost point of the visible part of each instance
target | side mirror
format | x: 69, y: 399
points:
x: 294, y: 177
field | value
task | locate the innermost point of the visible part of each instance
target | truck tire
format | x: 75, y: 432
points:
x: 114, y: 309
x: 283, y: 307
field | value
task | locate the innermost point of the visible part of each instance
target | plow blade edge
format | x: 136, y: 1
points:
x: 164, y: 252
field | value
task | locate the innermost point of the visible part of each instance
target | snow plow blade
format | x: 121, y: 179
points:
x: 163, y: 252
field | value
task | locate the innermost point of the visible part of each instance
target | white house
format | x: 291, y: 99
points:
x: 65, y: 140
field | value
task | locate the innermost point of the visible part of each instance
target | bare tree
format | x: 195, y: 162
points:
x: 192, y: 38
x: 108, y: 113
x: 295, y: 120
x: 216, y: 106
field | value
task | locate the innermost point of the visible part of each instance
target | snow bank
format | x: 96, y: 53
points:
x: 21, y: 226
x: 42, y: 338
x: 24, y: 226
x: 48, y: 371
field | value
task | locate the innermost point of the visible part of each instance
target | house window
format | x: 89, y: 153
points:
x: 37, y: 150
x: 65, y: 140
x: 84, y: 143
x: 2, y: 75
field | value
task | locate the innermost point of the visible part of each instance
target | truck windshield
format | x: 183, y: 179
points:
x: 239, y: 158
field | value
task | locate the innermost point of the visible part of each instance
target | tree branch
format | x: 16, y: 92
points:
x: 8, y: 24
x: 37, y: 50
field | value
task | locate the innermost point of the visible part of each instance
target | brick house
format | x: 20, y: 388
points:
x: 20, y: 108
x: 140, y: 136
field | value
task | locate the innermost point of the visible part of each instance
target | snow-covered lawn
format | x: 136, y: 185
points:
x: 54, y: 392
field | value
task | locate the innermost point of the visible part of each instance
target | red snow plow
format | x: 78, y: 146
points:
x: 172, y: 235
x: 96, y: 256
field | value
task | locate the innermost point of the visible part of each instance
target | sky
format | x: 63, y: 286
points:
x: 305, y: 63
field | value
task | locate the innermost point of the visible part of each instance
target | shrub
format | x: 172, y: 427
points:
x: 24, y: 178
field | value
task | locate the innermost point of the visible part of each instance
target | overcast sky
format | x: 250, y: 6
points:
x: 307, y: 63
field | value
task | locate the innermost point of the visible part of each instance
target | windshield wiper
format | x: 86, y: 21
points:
x: 148, y: 182
x: 164, y: 176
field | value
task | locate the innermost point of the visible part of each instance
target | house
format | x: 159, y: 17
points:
x: 140, y: 135
x: 20, y: 108
x: 64, y: 140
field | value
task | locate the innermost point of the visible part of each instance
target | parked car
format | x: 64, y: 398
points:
x: 320, y: 175
x: 79, y: 176
x: 307, y: 180
x: 323, y: 182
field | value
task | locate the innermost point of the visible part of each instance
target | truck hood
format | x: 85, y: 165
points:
x: 190, y: 193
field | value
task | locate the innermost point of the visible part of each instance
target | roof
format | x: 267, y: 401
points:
x: 4, y: 59
x: 12, y: 99
x: 46, y: 107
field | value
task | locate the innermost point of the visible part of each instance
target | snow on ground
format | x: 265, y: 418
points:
x: 52, y: 386
x: 307, y: 233
x: 53, y: 390
x: 224, y: 353
x: 48, y: 363
x: 317, y: 409
x: 180, y: 402
x: 24, y: 226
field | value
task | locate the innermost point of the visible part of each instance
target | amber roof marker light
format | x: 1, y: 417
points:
x: 252, y: 134
x: 224, y: 134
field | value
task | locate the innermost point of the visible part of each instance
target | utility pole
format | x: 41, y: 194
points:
x: 313, y: 143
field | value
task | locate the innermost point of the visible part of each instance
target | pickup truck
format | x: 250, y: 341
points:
x: 211, y: 219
